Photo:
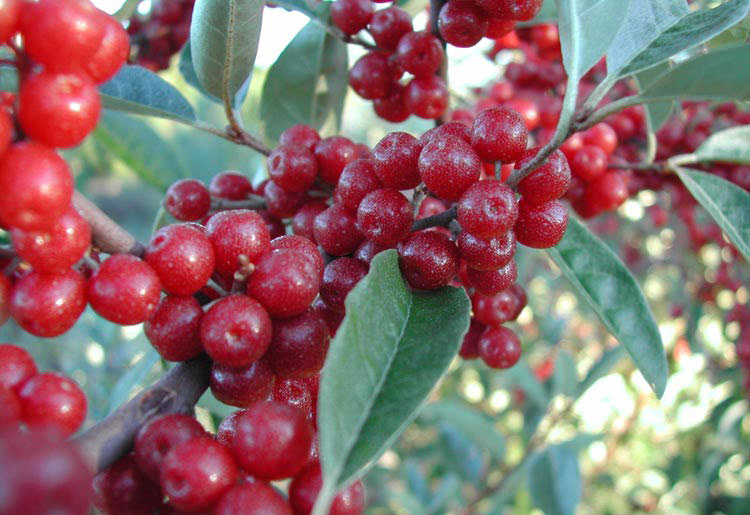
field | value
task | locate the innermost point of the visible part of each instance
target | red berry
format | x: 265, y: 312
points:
x: 301, y: 244
x: 527, y: 110
x: 281, y: 203
x: 340, y: 276
x: 256, y: 498
x: 333, y: 154
x: 174, y: 328
x: 332, y: 317
x: 57, y: 248
x: 420, y: 53
x: 235, y: 234
x: 429, y: 260
x: 385, y: 216
x: 499, y: 134
x: 357, y: 180
x: 10, y: 12
x: 541, y: 226
x: 243, y: 386
x: 16, y: 366
x: 227, y: 428
x: 236, y: 331
x: 448, y: 166
x: 487, y: 209
x: 392, y: 107
x: 499, y: 27
x: 588, y: 163
x: 462, y: 24
x: 187, y: 200
x: 5, y: 289
x: 160, y: 435
x: 47, y: 305
x: 52, y: 400
x: 296, y: 393
x: 336, y: 231
x: 300, y: 136
x: 351, y: 16
x: 123, y: 489
x: 299, y: 345
x: 496, y: 309
x: 549, y: 181
x: 368, y: 250
x: 6, y: 130
x: 395, y: 160
x: 182, y: 257
x: 607, y: 191
x: 124, y: 290
x: 293, y: 168
x: 285, y: 282
x: 195, y: 474
x: 371, y: 76
x: 304, y: 489
x: 230, y: 186
x: 388, y: 26
x: 426, y: 97
x: 521, y: 10
x: 302, y: 223
x: 603, y: 136
x: 470, y: 345
x: 491, y: 282
x: 112, y: 52
x: 499, y: 347
x: 486, y: 254
x: 272, y: 440
x: 10, y: 408
x: 456, y: 129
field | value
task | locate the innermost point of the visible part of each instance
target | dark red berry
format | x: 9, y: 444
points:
x: 487, y: 209
x: 372, y: 76
x: 124, y: 290
x: 499, y: 27
x: 426, y: 97
x: 588, y: 163
x: 52, y: 400
x: 340, y: 276
x: 448, y: 166
x: 123, y: 489
x: 187, y: 200
x: 230, y: 186
x: 302, y: 223
x: 395, y: 159
x: 351, y: 16
x: 183, y: 258
x: 304, y: 489
x: 282, y: 203
x: 541, y: 226
x: 392, y: 107
x: 499, y: 347
x: 429, y: 260
x: 491, y: 282
x: 420, y: 53
x: 385, y: 216
x: 160, y: 435
x: 499, y: 134
x: 336, y: 231
x: 456, y: 129
x: 5, y: 289
x: 462, y: 24
x: 256, y: 498
x: 470, y: 345
x: 486, y: 254
x: 293, y: 168
x: 299, y: 345
x: 174, y: 328
x: 603, y: 136
x: 300, y: 136
x: 237, y: 235
x: 301, y: 244
x: 333, y: 154
x: 298, y: 394
x: 16, y: 366
x: 521, y: 10
x: 368, y: 250
x: 10, y: 408
x: 227, y: 428
x: 357, y: 180
x: 388, y: 26
x: 547, y: 182
x: 285, y: 282
x: 607, y: 191
x: 243, y: 386
x: 495, y: 309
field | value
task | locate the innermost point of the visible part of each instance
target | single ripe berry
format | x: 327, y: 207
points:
x: 340, y: 276
x: 302, y: 223
x: 388, y: 26
x: 527, y: 109
x: 487, y: 209
x: 52, y: 400
x: 187, y: 200
x: 457, y: 129
x: 385, y: 216
x: 272, y: 441
x: 256, y: 498
x: 542, y: 226
x: 429, y: 260
x: 195, y: 474
x: 236, y: 331
x: 333, y: 154
x: 462, y: 24
x: 351, y: 16
x: 293, y: 168
x: 372, y: 76
x: 281, y: 203
x: 549, y: 181
x: 470, y: 345
x: 499, y: 347
x: 16, y: 366
x: 303, y: 245
x: 230, y: 185
x: 499, y: 134
x: 57, y: 248
x: 499, y: 27
x: 183, y: 258
x: 174, y: 328
x: 357, y: 180
x: 420, y: 53
x: 449, y: 166
x: 124, y: 290
x: 112, y: 52
x: 491, y: 282
x: 588, y: 163
x: 237, y: 235
x: 601, y: 135
x: 10, y: 13
x: 521, y: 10
x: 486, y: 254
x: 123, y: 489
x: 336, y: 231
x: 242, y: 386
x: 298, y: 394
x: 228, y: 427
x: 58, y: 109
x: 160, y: 435
x: 426, y: 97
x: 368, y: 250
x: 392, y: 107
x: 285, y: 282
x: 35, y: 186
x: 300, y: 135
x: 395, y: 159
x: 495, y: 309
x: 47, y: 305
x: 299, y: 345
x: 304, y: 489
x: 607, y: 191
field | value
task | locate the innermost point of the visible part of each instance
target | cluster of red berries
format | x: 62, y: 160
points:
x: 463, y: 23
x: 228, y: 473
x: 158, y: 35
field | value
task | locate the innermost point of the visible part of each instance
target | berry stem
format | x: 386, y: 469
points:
x: 241, y: 137
x: 176, y: 392
x: 106, y: 234
x: 439, y: 220
x: 252, y: 202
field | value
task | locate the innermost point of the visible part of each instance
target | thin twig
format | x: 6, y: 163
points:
x: 439, y: 220
x: 252, y: 202
x: 106, y: 234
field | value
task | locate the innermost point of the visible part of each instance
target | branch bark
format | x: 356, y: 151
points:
x: 106, y: 234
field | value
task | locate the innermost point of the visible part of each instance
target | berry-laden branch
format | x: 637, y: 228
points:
x: 106, y: 234
x: 176, y: 392
x: 439, y: 220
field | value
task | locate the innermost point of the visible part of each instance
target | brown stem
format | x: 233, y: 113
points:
x: 106, y: 234
x: 252, y: 202
x: 176, y: 392
x: 439, y: 220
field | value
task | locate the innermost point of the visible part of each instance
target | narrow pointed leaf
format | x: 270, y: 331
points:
x: 555, y: 481
x: 605, y: 283
x: 727, y: 146
x: 188, y: 71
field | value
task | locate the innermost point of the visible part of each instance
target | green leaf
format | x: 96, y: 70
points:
x: 310, y: 8
x: 8, y: 79
x: 723, y: 74
x: 565, y: 376
x: 606, y: 284
x: 460, y: 453
x: 188, y: 71
x: 555, y: 481
x: 692, y: 30
x: 138, y: 91
x: 471, y: 422
x: 727, y: 146
x: 606, y: 363
x: 307, y: 84
x: 727, y: 203
x: 657, y: 113
x: 522, y: 376
x: 132, y: 378
x: 224, y: 37
x: 393, y: 346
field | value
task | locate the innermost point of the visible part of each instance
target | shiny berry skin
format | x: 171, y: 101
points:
x: 487, y: 209
x: 243, y: 386
x: 57, y: 248
x: 297, y: 394
x: 195, y: 474
x: 333, y: 154
x: 528, y: 111
x: 47, y: 305
x: 304, y: 489
x: 302, y: 223
x: 6, y: 131
x: 230, y: 185
x: 388, y: 26
x: 547, y: 182
x: 124, y: 290
x: 429, y: 260
x: 183, y: 258
x: 588, y: 163
x: 392, y: 107
x: 351, y: 16
x: 499, y: 27
x: 340, y: 276
x: 368, y: 250
x: 35, y: 186
x: 603, y: 136
x: 395, y: 159
x: 52, y: 400
x: 281, y: 203
x: 521, y: 10
x: 499, y: 134
x: 426, y: 97
x: 160, y: 435
x: 357, y: 180
x: 10, y: 408
x: 227, y: 428
x: 237, y: 233
x: 292, y: 168
x: 60, y: 34
x: 456, y: 129
x: 122, y: 489
x: 420, y: 53
x: 16, y: 366
x: 470, y: 345
x: 236, y: 331
x: 285, y: 282
x: 462, y: 24
x: 300, y: 135
x: 10, y: 12
x: 607, y: 191
x: 272, y: 440
x: 299, y: 345
x: 499, y: 347
x: 542, y: 226
x: 58, y: 110
x: 5, y: 288
x: 174, y: 328
x: 371, y: 76
x: 332, y: 318
x: 301, y: 244
x: 448, y: 166
x: 486, y: 254
x: 256, y: 498
x: 42, y: 473
x: 112, y: 52
x: 385, y: 216
x: 336, y: 231
x: 497, y: 309
x: 491, y: 282
x: 187, y: 200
